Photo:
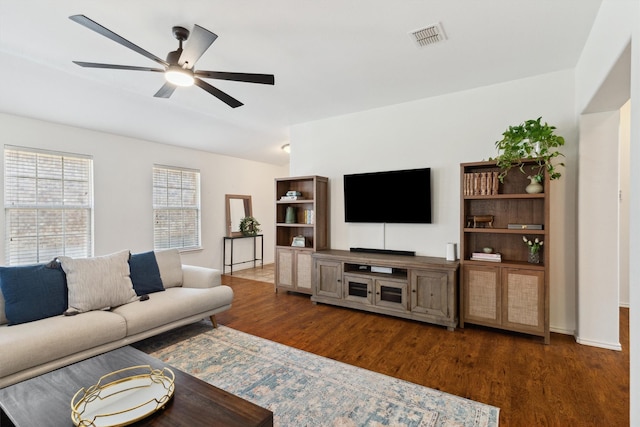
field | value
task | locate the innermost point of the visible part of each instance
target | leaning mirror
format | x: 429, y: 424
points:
x: 238, y: 206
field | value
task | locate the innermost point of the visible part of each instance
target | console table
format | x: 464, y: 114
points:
x: 413, y: 287
x: 231, y: 263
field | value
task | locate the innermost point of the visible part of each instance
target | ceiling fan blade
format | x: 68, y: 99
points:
x: 165, y: 91
x: 94, y: 26
x: 117, y: 67
x: 266, y: 79
x: 198, y: 43
x: 227, y: 99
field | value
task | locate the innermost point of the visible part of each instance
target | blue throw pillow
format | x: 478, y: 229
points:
x: 33, y: 292
x: 145, y: 274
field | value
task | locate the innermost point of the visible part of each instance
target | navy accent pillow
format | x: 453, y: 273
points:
x: 33, y: 292
x: 145, y: 274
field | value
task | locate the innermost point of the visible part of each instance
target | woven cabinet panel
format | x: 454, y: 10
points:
x: 285, y: 268
x: 522, y: 304
x: 303, y: 272
x: 482, y: 294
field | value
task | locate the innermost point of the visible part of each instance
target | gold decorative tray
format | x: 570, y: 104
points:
x: 123, y: 397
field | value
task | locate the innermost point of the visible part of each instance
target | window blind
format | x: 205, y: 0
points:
x: 176, y: 208
x: 48, y: 199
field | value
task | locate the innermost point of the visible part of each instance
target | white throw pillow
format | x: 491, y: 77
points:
x: 98, y: 283
x: 170, y: 266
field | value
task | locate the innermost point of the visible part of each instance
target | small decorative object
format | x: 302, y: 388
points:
x: 529, y: 140
x: 534, y: 186
x: 534, y: 249
x: 298, y: 242
x: 524, y: 226
x: 290, y: 215
x: 480, y: 220
x: 487, y: 250
x: 249, y: 226
x: 118, y: 401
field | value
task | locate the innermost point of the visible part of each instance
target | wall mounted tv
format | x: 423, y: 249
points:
x: 400, y: 197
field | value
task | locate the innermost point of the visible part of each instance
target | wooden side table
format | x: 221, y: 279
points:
x: 255, y: 258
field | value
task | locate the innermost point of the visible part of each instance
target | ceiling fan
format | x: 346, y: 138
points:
x: 179, y: 66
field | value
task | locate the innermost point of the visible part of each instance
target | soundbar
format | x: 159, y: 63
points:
x: 383, y: 251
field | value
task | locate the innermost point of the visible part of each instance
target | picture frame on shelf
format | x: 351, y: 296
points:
x: 298, y: 242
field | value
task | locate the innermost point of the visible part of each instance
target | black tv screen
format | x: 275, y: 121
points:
x: 400, y: 197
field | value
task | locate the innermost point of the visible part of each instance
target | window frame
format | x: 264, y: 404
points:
x: 165, y: 206
x: 62, y: 193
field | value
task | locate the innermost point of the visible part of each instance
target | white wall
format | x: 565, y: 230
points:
x: 617, y: 24
x: 122, y: 186
x: 598, y: 261
x: 440, y: 133
x: 625, y: 171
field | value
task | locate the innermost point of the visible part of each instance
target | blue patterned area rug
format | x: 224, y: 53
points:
x: 303, y: 389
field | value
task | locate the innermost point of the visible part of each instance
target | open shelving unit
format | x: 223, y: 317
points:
x: 310, y: 225
x: 512, y: 294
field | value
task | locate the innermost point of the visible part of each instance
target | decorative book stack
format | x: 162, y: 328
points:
x: 292, y: 195
x: 309, y: 216
x: 481, y: 184
x: 481, y: 256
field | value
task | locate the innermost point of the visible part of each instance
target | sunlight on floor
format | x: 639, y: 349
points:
x: 261, y: 274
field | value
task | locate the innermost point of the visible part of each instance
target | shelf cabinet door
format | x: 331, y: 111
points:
x: 358, y: 289
x: 482, y: 292
x: 293, y: 270
x: 433, y: 293
x: 523, y: 300
x: 328, y: 279
x: 304, y: 271
x: 391, y: 294
x: 285, y: 263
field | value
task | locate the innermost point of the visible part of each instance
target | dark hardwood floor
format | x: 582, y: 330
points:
x: 561, y: 384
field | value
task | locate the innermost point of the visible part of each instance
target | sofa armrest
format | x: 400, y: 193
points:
x: 200, y: 277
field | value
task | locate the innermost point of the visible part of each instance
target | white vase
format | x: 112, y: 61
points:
x: 534, y: 186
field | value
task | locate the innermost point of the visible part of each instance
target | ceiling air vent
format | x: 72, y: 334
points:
x: 429, y: 35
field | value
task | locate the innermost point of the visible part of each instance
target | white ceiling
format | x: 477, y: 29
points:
x: 329, y: 57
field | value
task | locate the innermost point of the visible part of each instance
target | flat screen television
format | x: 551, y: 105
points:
x: 400, y: 197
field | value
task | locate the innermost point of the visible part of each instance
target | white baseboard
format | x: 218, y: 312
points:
x: 624, y: 305
x: 609, y: 346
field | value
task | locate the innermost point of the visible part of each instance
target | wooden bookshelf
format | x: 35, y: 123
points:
x: 512, y: 294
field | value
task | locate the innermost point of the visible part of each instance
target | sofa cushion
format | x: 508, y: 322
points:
x: 174, y: 304
x: 34, y: 343
x: 145, y: 274
x: 98, y: 283
x: 32, y: 292
x: 170, y: 267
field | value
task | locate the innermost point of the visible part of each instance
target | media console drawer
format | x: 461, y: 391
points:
x: 413, y: 287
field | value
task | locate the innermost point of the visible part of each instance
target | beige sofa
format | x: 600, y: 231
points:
x: 190, y: 294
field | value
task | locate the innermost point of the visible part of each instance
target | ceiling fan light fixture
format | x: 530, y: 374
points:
x: 179, y: 76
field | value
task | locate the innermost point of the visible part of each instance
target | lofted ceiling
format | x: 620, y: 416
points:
x: 329, y: 58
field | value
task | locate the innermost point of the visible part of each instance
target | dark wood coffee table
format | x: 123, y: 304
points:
x: 46, y: 400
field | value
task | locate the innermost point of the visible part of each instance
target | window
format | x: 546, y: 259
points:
x: 176, y: 208
x: 48, y: 201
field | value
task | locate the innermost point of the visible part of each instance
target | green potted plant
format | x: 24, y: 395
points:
x: 530, y: 140
x: 249, y: 226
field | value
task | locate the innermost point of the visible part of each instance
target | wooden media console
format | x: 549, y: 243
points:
x: 413, y: 287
